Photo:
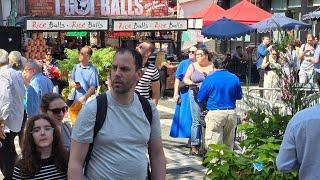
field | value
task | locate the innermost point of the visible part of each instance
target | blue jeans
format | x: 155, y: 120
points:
x: 195, y: 113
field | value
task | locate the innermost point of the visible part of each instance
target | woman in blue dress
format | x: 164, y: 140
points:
x: 182, y: 120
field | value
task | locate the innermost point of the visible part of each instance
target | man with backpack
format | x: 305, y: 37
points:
x: 114, y: 132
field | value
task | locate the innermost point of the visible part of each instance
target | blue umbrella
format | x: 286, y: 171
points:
x: 279, y: 21
x: 224, y: 29
x: 311, y: 16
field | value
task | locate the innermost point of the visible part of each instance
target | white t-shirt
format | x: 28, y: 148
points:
x: 120, y: 147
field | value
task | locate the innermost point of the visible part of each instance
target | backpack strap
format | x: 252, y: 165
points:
x: 102, y: 106
x: 146, y: 107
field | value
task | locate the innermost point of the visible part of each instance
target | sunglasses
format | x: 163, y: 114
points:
x: 58, y: 110
x: 192, y: 52
x: 49, y: 54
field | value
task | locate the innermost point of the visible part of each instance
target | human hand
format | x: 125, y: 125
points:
x: 75, y: 84
x: 176, y: 97
x: 82, y: 99
x: 2, y: 133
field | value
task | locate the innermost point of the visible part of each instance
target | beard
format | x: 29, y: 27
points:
x: 122, y: 87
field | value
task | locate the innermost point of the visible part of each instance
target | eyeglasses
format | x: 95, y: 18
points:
x: 192, y: 52
x: 274, y: 54
x: 47, y: 129
x: 58, y: 110
x: 49, y: 54
x: 200, y: 54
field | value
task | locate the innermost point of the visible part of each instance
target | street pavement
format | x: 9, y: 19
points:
x: 180, y: 165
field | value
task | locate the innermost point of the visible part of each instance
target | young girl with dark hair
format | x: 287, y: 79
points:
x: 43, y: 155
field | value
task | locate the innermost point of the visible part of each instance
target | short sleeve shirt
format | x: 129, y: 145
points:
x: 150, y: 75
x: 123, y: 139
x: 86, y: 76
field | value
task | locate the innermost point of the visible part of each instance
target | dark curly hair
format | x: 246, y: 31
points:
x: 205, y: 52
x: 30, y: 163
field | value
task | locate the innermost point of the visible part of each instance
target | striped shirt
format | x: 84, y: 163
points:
x: 48, y: 171
x: 150, y: 75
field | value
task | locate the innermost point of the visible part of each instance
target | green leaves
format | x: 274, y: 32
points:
x: 101, y: 59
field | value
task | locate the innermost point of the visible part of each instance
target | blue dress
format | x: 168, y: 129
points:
x: 182, y: 120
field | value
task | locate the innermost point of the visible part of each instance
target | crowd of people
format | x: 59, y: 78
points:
x: 109, y: 138
x: 33, y: 108
x: 203, y: 83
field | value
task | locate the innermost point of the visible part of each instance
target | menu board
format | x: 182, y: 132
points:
x: 67, y: 24
x: 150, y: 25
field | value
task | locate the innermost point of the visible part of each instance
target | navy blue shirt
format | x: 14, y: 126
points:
x: 220, y: 90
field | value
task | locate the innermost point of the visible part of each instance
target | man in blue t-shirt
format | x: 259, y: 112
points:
x: 84, y: 77
x: 219, y: 91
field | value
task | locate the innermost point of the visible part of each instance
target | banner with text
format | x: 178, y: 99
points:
x: 67, y: 24
x: 150, y: 25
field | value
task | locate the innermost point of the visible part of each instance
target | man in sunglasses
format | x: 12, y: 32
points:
x: 149, y: 82
x: 84, y: 77
x: 11, y: 113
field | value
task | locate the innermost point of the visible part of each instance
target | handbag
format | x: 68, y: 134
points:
x: 183, y: 86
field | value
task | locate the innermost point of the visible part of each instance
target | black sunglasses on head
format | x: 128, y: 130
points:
x: 58, y: 110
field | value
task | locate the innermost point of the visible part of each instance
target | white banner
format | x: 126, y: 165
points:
x: 150, y: 25
x: 74, y: 24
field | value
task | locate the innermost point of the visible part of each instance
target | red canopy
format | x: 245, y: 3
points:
x: 210, y: 14
x: 246, y: 13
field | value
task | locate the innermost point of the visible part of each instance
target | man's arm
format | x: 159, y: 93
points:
x: 263, y: 51
x: 287, y: 157
x: 155, y: 87
x: 90, y: 92
x: 157, y: 159
x: 78, y: 154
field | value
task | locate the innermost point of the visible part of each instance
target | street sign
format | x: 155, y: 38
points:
x: 67, y: 24
x: 150, y: 24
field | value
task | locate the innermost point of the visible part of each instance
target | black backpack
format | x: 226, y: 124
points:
x: 101, y: 116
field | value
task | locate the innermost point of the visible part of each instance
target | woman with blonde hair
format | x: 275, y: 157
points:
x: 162, y: 66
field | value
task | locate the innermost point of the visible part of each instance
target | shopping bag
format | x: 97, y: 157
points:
x: 74, y: 111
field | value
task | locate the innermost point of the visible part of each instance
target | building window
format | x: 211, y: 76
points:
x: 294, y: 3
x: 278, y: 5
x: 316, y: 2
